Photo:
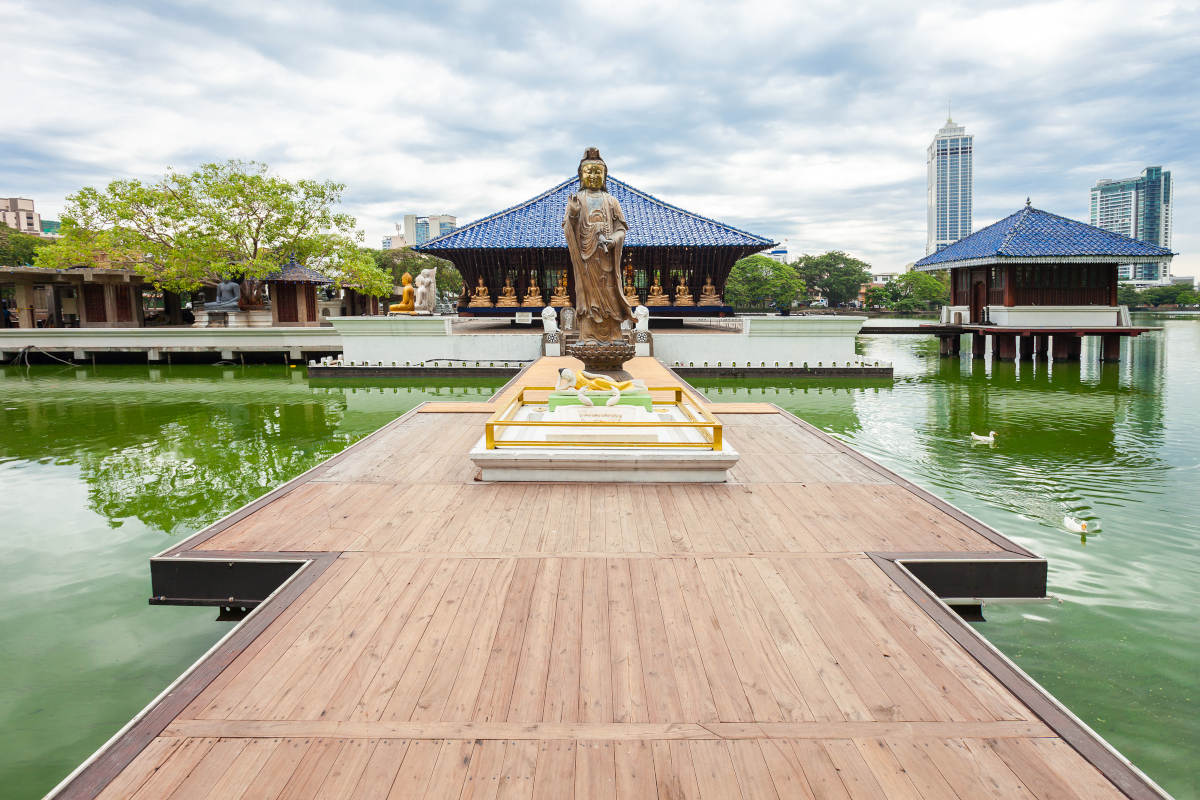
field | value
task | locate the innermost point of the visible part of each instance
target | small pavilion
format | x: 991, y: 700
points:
x: 293, y: 292
x: 79, y: 297
x: 525, y: 246
x: 1035, y: 275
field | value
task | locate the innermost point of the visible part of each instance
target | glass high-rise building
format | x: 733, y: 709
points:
x: 1139, y: 208
x: 950, y: 171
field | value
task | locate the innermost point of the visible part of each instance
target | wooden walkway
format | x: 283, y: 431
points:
x: 454, y: 638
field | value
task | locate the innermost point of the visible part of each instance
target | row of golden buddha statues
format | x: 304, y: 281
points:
x: 481, y: 297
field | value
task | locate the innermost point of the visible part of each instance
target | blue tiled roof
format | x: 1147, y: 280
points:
x: 291, y: 271
x: 538, y: 223
x: 1032, y: 233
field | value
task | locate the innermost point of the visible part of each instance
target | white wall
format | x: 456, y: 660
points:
x: 1054, y: 316
x: 399, y: 339
x: 766, y: 340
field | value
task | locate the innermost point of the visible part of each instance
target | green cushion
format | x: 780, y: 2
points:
x: 632, y: 398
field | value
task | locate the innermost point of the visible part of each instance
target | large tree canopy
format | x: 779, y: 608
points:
x: 755, y: 280
x: 836, y: 275
x: 232, y: 219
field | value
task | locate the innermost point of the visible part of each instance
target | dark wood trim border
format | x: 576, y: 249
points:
x: 118, y: 752
x: 1089, y: 744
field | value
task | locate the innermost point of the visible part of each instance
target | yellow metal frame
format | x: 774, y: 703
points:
x: 697, y: 417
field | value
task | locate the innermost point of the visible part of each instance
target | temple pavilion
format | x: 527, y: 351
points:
x: 666, y: 248
x: 1034, y: 275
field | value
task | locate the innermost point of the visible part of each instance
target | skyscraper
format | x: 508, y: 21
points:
x: 950, y: 173
x: 1139, y: 208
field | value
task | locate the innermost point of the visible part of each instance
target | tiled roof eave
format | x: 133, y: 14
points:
x: 988, y: 261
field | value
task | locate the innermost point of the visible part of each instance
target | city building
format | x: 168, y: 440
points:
x: 950, y: 177
x: 18, y: 213
x: 1139, y: 208
x: 419, y: 230
x: 396, y: 241
x: 779, y: 253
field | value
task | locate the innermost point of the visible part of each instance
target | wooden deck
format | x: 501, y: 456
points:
x: 454, y: 638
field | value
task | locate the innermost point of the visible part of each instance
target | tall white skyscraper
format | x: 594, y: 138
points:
x: 1139, y: 208
x: 950, y: 173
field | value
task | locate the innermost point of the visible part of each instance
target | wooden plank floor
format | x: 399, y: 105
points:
x: 616, y: 640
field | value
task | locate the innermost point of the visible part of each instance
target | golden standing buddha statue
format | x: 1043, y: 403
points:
x: 683, y: 295
x: 561, y: 298
x: 655, y: 296
x: 508, y: 296
x: 480, y: 298
x: 708, y: 294
x: 407, y: 296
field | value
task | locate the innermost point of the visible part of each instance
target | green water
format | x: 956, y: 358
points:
x: 100, y: 469
x: 1118, y: 445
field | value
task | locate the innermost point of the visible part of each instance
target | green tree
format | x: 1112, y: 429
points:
x: 1164, y: 295
x: 18, y: 249
x: 877, y: 297
x: 757, y: 279
x: 917, y: 291
x: 405, y: 259
x: 226, y: 219
x: 1128, y: 295
x: 835, y: 274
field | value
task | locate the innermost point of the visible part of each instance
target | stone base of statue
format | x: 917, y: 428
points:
x: 711, y: 301
x: 480, y: 302
x: 658, y: 300
x: 506, y: 302
x: 606, y: 358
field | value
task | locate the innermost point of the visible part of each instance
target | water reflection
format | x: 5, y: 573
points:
x: 173, y: 448
x: 96, y: 465
x: 1117, y: 444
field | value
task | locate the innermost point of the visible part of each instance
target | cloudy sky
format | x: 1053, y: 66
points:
x: 804, y: 121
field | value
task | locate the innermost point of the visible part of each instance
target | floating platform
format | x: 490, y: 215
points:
x: 414, y: 631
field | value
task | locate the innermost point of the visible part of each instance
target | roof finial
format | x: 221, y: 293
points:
x: 1027, y: 202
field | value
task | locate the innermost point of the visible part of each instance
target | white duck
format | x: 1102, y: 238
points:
x: 989, y: 439
x: 1076, y: 525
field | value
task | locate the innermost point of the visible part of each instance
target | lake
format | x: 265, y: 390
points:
x: 102, y: 467
x: 1115, y: 444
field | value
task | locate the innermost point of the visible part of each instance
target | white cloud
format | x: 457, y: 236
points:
x: 800, y: 121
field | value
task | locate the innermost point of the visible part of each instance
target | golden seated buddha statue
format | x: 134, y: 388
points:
x: 655, y: 296
x: 508, y: 296
x: 560, y: 298
x: 480, y: 298
x: 631, y: 294
x: 708, y: 294
x: 683, y: 295
x: 533, y: 297
x: 407, y: 296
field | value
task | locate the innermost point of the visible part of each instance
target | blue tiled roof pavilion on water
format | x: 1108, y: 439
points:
x: 537, y: 223
x: 1032, y: 236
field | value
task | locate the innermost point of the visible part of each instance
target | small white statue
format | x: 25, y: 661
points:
x: 426, y: 296
x: 642, y: 315
x: 549, y: 320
